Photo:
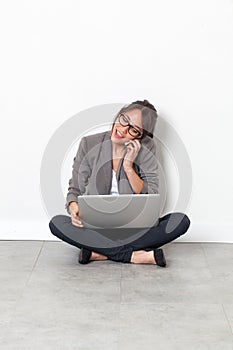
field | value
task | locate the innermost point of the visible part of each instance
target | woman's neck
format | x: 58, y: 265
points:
x: 117, y: 150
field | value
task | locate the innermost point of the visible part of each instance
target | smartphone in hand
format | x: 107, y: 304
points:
x: 127, y: 143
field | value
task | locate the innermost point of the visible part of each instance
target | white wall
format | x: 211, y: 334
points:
x: 61, y: 57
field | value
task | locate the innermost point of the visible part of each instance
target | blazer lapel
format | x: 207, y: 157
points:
x: 104, y: 166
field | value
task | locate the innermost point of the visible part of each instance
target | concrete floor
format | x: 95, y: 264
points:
x: 49, y: 301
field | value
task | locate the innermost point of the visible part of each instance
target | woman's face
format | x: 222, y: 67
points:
x: 120, y: 133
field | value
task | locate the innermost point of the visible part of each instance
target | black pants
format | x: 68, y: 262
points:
x: 156, y: 236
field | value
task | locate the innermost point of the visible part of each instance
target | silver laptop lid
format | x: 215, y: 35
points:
x: 119, y: 211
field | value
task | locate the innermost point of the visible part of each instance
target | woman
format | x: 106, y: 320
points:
x: 105, y: 165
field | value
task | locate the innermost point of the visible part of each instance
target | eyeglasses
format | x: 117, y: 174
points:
x: 132, y: 130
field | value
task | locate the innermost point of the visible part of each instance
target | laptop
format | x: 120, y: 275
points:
x: 119, y: 211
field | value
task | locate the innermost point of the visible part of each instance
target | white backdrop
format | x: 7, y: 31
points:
x: 61, y: 57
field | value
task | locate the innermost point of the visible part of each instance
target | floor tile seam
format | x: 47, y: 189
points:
x: 82, y: 304
x: 91, y: 276
x: 171, y: 303
x: 206, y: 259
x: 227, y: 319
x: 74, y: 268
x: 35, y: 262
x: 89, y: 306
x: 29, y: 276
x: 18, y: 300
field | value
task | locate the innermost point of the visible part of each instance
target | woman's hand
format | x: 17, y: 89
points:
x: 73, y: 209
x: 132, y: 151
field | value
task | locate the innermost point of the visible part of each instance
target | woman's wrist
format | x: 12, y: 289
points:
x: 128, y: 168
x: 72, y: 205
x: 73, y: 202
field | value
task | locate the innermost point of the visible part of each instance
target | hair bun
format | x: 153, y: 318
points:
x: 146, y: 104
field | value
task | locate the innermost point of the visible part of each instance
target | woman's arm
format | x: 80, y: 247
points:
x: 145, y: 179
x: 80, y: 174
x: 74, y: 211
x: 149, y: 170
x: 135, y: 181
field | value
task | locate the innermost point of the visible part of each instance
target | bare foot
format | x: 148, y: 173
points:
x: 143, y: 257
x: 97, y: 256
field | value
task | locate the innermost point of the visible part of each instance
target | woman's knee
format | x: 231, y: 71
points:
x: 52, y: 226
x: 59, y: 220
x: 177, y: 221
x: 56, y: 222
x: 184, y: 221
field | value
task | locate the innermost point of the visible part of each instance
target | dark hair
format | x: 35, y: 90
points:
x: 146, y: 104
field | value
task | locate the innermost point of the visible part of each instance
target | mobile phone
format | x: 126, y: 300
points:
x: 128, y: 142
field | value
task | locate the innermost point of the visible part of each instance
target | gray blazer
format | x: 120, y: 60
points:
x: 92, y: 168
